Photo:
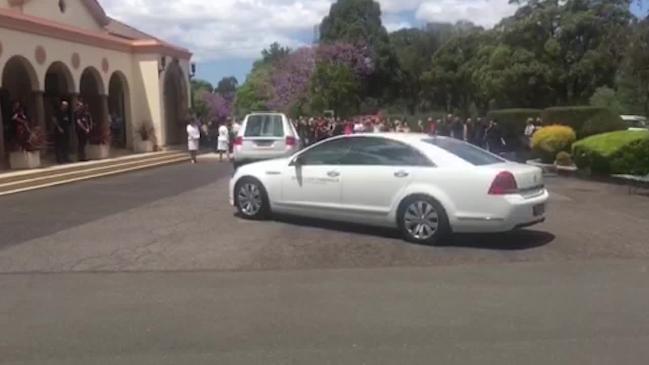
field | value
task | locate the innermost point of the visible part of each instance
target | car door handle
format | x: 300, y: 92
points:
x: 333, y: 174
x: 401, y: 174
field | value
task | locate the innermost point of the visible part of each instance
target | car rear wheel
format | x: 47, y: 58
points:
x: 251, y: 199
x: 423, y: 220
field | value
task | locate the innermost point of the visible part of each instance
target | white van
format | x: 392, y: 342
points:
x: 265, y: 136
x: 635, y: 122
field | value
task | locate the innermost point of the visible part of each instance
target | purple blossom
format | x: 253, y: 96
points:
x: 358, y: 57
x: 291, y: 79
x: 220, y: 108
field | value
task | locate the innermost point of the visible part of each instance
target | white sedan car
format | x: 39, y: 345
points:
x: 428, y: 187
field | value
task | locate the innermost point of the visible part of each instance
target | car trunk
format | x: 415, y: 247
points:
x: 264, y: 144
x: 264, y: 133
x: 529, y: 179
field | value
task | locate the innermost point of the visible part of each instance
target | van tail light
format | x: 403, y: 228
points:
x: 238, y: 141
x: 503, y: 184
x: 291, y: 141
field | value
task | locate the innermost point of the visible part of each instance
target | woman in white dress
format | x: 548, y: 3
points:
x: 223, y: 141
x: 193, y: 138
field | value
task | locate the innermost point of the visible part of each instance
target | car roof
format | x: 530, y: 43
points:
x: 266, y: 113
x: 439, y: 156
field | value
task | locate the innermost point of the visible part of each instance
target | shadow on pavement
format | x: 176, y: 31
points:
x: 511, y: 241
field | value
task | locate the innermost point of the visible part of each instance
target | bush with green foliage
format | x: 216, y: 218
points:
x: 632, y: 159
x: 615, y: 152
x: 547, y: 142
x: 564, y: 159
x: 605, y: 97
x: 585, y: 120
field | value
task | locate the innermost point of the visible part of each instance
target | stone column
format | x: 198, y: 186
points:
x: 103, y: 107
x: 39, y: 110
x: 73, y: 128
x: 2, y: 142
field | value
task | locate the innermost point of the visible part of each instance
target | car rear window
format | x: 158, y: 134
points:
x: 468, y: 152
x: 264, y: 126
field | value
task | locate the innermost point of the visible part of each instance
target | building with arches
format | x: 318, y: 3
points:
x: 66, y: 49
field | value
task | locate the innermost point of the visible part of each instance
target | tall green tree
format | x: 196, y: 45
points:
x: 227, y: 86
x: 359, y: 22
x: 274, y: 52
x: 633, y: 79
x: 335, y: 87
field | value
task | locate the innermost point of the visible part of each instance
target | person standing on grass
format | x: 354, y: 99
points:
x: 193, y: 138
x: 223, y: 142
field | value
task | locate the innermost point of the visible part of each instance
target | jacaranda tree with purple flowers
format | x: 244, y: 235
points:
x: 291, y: 80
x: 219, y: 107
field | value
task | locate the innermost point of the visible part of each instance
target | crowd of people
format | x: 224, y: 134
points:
x: 480, y: 131
x: 217, y: 136
x: 488, y: 134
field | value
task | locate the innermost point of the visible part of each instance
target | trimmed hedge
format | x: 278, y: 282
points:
x: 585, y: 120
x: 632, y: 159
x: 622, y: 152
x: 513, y: 121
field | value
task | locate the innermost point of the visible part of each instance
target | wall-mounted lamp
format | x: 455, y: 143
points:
x: 162, y: 64
x: 192, y: 72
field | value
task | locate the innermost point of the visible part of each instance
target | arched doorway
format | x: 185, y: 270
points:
x: 59, y: 86
x: 90, y: 91
x: 175, y: 105
x: 119, y: 109
x: 19, y: 82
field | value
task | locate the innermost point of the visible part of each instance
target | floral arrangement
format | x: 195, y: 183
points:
x: 34, y: 140
x: 145, y: 131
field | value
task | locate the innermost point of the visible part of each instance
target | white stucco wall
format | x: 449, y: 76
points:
x: 148, y: 92
x: 24, y: 44
x: 76, y: 13
x: 145, y: 84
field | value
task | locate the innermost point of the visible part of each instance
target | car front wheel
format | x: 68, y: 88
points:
x: 251, y: 199
x: 423, y: 220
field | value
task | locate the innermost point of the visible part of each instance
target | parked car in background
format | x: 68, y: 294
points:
x: 265, y: 136
x: 635, y: 121
x: 426, y: 186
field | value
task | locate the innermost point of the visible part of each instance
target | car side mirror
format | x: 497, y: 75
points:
x: 298, y: 161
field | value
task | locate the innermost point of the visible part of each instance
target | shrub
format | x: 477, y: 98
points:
x: 564, y: 159
x: 599, y: 152
x: 585, y: 120
x: 551, y: 140
x: 513, y: 121
x: 632, y: 159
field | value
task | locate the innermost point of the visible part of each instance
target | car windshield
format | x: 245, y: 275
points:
x: 468, y: 152
x: 264, y: 126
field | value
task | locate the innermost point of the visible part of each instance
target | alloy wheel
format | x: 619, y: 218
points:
x: 250, y: 199
x: 421, y: 220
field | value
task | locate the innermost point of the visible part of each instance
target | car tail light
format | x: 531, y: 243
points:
x: 504, y: 184
x: 291, y: 141
x: 238, y: 141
